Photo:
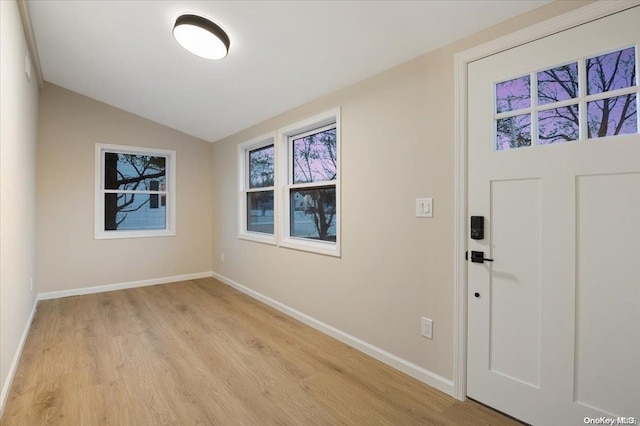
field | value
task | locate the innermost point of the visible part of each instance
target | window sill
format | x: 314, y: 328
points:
x: 113, y: 235
x: 258, y: 238
x: 319, y: 247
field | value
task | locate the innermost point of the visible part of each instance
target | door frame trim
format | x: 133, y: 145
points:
x: 591, y: 12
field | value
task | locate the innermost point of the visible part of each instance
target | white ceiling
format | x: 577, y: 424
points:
x: 283, y: 53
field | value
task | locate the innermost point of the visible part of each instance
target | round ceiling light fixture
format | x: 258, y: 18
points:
x: 201, y: 37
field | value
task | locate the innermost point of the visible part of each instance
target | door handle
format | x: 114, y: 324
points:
x: 478, y: 257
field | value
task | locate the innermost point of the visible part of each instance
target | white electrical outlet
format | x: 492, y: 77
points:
x: 427, y: 328
x: 222, y: 257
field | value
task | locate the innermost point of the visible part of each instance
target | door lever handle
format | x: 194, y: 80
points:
x: 478, y: 257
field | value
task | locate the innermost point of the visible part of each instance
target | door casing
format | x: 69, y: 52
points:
x: 563, y: 22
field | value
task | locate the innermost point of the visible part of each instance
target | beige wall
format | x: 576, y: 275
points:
x: 18, y: 124
x: 68, y: 256
x: 397, y: 145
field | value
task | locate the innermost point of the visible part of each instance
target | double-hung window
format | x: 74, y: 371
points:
x: 257, y: 190
x: 289, y: 192
x: 312, y: 191
x: 135, y: 192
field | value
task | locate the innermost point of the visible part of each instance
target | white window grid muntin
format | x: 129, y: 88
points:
x: 244, y: 189
x: 581, y: 101
x: 325, y: 121
x: 170, y: 194
x: 133, y: 191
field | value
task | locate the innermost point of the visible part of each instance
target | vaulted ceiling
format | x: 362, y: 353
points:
x: 283, y: 53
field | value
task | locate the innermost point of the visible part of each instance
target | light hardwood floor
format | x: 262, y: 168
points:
x: 200, y: 352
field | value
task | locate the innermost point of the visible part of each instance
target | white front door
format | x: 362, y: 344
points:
x: 554, y: 169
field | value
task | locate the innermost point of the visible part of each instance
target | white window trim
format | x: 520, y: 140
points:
x: 243, y: 187
x: 284, y: 170
x: 99, y: 232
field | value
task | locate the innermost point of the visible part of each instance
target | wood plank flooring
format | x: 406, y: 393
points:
x: 200, y: 352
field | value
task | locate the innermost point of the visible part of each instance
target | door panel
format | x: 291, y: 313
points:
x: 554, y: 331
x: 608, y: 268
x: 515, y: 281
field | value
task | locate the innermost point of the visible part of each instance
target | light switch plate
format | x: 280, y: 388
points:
x: 424, y: 207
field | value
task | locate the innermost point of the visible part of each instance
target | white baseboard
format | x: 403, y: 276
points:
x: 415, y: 371
x: 6, y: 387
x: 121, y: 286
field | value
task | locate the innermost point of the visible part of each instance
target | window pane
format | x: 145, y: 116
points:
x: 315, y: 157
x: 260, y: 212
x: 558, y: 84
x: 558, y: 125
x: 261, y: 162
x: 513, y: 132
x: 132, y: 212
x: 154, y: 198
x: 313, y: 213
x: 513, y: 94
x: 612, y: 116
x: 133, y: 172
x: 611, y: 71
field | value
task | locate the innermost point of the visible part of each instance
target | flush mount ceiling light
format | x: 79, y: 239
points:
x: 201, y: 37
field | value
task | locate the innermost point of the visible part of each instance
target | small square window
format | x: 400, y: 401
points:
x: 514, y: 94
x: 621, y: 116
x: 612, y: 71
x: 558, y: 84
x: 557, y: 125
x: 132, y: 187
x: 513, y: 132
